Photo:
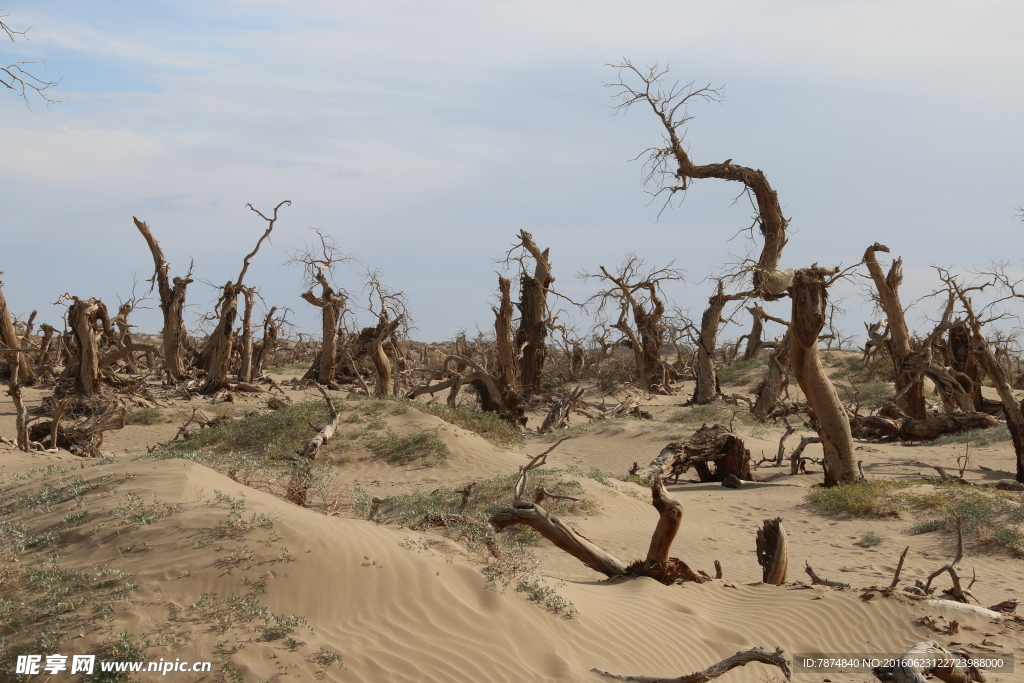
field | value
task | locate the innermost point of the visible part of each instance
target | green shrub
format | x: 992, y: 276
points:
x: 146, y: 416
x: 402, y: 450
x: 865, y: 497
x: 977, y: 437
x: 488, y: 425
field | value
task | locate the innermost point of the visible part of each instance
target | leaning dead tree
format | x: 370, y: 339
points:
x: 222, y: 339
x: 671, y: 170
x: 534, y: 317
x: 391, y: 310
x: 713, y: 452
x: 637, y: 293
x: 172, y: 304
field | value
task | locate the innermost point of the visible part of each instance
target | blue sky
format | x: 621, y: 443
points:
x: 424, y: 135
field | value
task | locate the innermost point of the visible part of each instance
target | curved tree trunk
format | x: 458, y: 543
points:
x: 754, y: 343
x: 330, y: 303
x: 810, y: 295
x: 505, y: 368
x: 381, y: 362
x: 912, y: 399
x: 776, y: 380
x: 172, y: 305
x: 221, y: 344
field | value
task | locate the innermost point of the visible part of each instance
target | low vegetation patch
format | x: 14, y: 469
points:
x: 989, y: 519
x: 488, y: 425
x: 977, y: 437
x: 743, y: 372
x: 403, y: 450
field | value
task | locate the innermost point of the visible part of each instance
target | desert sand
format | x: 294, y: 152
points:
x: 397, y: 604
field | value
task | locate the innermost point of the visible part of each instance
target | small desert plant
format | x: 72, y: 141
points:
x: 146, y: 416
x: 865, y: 497
x: 870, y: 539
x: 976, y: 437
x: 488, y: 425
x: 402, y: 450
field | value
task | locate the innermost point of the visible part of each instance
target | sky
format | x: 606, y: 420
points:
x: 424, y: 135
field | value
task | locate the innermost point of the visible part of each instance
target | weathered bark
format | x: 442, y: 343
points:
x: 648, y: 339
x: 533, y: 318
x: 714, y: 671
x: 796, y: 457
x: 505, y: 368
x: 267, y: 345
x: 754, y: 341
x: 331, y: 303
x: 245, y: 362
x: 555, y: 530
x: 381, y: 362
x: 558, y: 416
x: 772, y: 552
x: 20, y: 411
x: 172, y: 305
x: 670, y: 517
x: 1014, y: 417
x: 44, y: 346
x: 83, y: 317
x: 887, y: 286
x: 809, y: 294
x: 9, y: 339
x: 707, y: 388
x: 713, y: 452
x: 963, y: 361
x: 776, y: 380
x: 909, y: 429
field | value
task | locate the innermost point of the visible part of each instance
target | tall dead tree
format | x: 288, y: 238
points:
x: 534, y: 318
x: 638, y: 294
x: 887, y: 286
x: 172, y: 305
x: 9, y: 339
x: 319, y: 263
x: 89, y: 321
x: 222, y: 339
x: 245, y: 360
x: 271, y: 328
x: 391, y: 309
x: 670, y: 170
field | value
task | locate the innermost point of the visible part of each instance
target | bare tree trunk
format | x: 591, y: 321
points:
x: 670, y: 517
x: 44, y: 346
x: 505, y: 368
x: 912, y: 400
x: 83, y: 317
x: 533, y: 321
x: 172, y: 305
x: 776, y: 380
x: 245, y: 369
x: 772, y: 551
x: 20, y: 411
x: 9, y: 338
x: 1014, y: 417
x: 963, y: 361
x: 381, y: 362
x: 754, y: 343
x: 810, y: 295
x: 707, y: 388
x: 270, y: 331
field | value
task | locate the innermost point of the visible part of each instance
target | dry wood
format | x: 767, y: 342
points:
x: 707, y: 388
x: 776, y: 380
x: 172, y: 305
x: 899, y: 568
x: 314, y: 445
x: 558, y: 416
x: 83, y: 317
x: 381, y: 362
x: 9, y: 339
x: 555, y: 530
x: 817, y: 580
x: 20, y: 411
x: 958, y: 592
x: 796, y: 459
x: 781, y: 455
x: 533, y: 317
x: 714, y: 452
x: 810, y: 295
x: 714, y: 671
x: 670, y: 516
x: 772, y: 552
x: 267, y: 345
x: 930, y: 659
x: 909, y: 429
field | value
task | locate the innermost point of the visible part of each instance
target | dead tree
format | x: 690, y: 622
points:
x: 989, y: 363
x: 534, y: 318
x: 319, y: 268
x: 245, y: 360
x: 9, y: 339
x: 639, y: 294
x: 88, y: 320
x: 810, y: 294
x: 20, y: 411
x: 657, y: 564
x: 707, y: 388
x: 776, y: 379
x: 391, y: 309
x: 670, y: 170
x: 222, y: 339
x: 172, y: 305
x: 271, y: 328
x: 899, y: 346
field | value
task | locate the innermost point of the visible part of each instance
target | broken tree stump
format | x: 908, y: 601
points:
x: 772, y: 553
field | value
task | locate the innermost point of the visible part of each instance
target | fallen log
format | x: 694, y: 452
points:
x: 930, y: 659
x: 755, y: 654
x: 909, y: 429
